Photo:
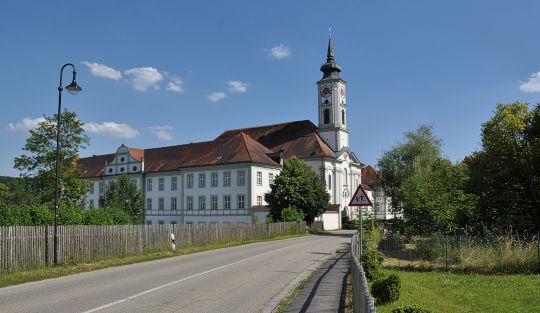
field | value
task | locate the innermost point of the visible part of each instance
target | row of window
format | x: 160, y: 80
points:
x: 102, y: 185
x: 161, y: 222
x: 202, y: 203
x: 240, y: 181
x: 214, y: 181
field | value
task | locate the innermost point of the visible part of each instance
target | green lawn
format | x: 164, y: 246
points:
x: 442, y: 292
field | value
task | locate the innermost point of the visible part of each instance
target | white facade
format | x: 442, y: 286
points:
x: 225, y: 193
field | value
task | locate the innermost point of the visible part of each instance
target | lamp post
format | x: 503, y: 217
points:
x: 73, y: 89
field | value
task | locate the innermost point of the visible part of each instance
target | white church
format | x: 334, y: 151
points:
x: 224, y: 180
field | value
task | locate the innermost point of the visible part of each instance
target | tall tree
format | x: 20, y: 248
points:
x: 300, y: 187
x: 39, y: 162
x: 435, y: 199
x: 504, y: 173
x: 416, y: 154
x: 124, y: 194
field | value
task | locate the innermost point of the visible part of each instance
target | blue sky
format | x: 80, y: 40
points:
x: 158, y: 73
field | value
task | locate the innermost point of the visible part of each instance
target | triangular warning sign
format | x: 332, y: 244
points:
x: 360, y: 198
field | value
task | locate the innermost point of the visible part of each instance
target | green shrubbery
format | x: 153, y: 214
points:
x: 410, y: 309
x: 371, y: 262
x: 387, y: 289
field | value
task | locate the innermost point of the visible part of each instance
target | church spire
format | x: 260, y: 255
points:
x: 330, y: 69
x: 330, y: 53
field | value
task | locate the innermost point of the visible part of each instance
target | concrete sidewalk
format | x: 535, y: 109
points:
x: 326, y: 291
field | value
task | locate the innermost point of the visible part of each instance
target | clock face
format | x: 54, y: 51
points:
x: 326, y: 91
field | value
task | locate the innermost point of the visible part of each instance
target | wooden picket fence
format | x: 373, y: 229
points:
x: 26, y: 246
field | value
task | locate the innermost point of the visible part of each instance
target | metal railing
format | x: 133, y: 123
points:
x: 363, y: 302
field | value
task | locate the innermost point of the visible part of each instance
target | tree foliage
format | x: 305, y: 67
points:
x: 435, y: 199
x: 39, y: 162
x: 415, y: 155
x: 124, y: 194
x: 291, y: 214
x: 505, y: 173
x: 299, y: 186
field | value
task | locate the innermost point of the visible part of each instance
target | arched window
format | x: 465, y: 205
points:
x: 326, y: 116
x: 329, y: 181
x: 343, y: 117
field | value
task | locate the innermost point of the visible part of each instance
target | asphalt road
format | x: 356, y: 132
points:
x: 249, y: 278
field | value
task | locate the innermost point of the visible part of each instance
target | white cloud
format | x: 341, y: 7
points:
x: 112, y: 129
x: 25, y: 124
x: 237, y: 86
x: 102, y: 70
x: 217, y: 96
x: 533, y: 85
x: 176, y: 85
x: 280, y: 52
x: 161, y: 132
x: 143, y: 78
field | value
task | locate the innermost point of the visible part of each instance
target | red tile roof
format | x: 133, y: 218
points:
x: 371, y: 176
x: 299, y: 138
x: 93, y: 166
x: 137, y: 153
x: 333, y: 208
x: 235, y: 149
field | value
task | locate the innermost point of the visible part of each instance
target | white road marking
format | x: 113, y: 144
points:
x: 108, y: 305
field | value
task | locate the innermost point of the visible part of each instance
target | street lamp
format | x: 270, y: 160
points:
x: 73, y: 89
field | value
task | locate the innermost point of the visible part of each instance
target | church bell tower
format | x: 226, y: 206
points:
x: 332, y: 92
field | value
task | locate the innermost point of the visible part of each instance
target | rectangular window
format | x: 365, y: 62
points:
x: 189, y: 181
x: 259, y: 200
x: 101, y: 187
x: 241, y: 201
x: 161, y: 204
x: 202, y: 180
x: 213, y: 202
x: 202, y: 202
x: 226, y: 178
x: 161, y: 184
x: 148, y: 222
x: 226, y: 202
x: 91, y: 205
x: 149, y: 204
x: 174, y: 184
x: 189, y: 202
x: 160, y: 222
x: 240, y: 178
x: 270, y: 178
x: 173, y: 204
x: 173, y: 222
x: 149, y: 184
x: 213, y: 179
x: 92, y: 188
x: 259, y: 178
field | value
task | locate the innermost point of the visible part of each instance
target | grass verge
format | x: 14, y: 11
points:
x: 447, y: 292
x: 19, y: 276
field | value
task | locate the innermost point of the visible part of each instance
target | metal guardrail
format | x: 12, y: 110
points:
x: 363, y: 302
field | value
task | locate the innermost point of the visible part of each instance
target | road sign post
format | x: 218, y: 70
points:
x: 360, y: 199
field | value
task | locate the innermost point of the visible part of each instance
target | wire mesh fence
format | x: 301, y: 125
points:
x: 497, y: 254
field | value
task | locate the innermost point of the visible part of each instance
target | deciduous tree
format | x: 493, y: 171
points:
x: 299, y: 186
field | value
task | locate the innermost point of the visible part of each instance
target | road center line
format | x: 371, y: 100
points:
x: 190, y: 277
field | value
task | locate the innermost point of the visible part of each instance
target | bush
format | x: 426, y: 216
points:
x: 429, y: 248
x: 291, y: 214
x: 371, y: 262
x: 393, y: 241
x: 386, y: 290
x: 410, y: 309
